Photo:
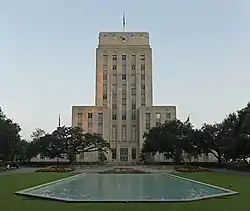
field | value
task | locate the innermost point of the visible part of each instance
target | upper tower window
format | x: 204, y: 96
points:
x: 105, y: 59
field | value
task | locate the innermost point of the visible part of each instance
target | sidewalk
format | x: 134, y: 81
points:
x: 18, y: 171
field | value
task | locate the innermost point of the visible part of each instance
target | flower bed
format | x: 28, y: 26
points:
x: 55, y: 169
x: 124, y: 171
x: 191, y: 169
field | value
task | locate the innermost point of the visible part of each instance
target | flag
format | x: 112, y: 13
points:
x: 123, y: 20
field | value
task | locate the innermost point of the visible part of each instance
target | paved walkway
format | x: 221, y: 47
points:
x: 95, y: 169
x: 152, y: 169
x: 18, y: 171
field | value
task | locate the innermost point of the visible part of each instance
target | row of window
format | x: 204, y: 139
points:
x: 124, y: 154
x: 157, y: 119
x: 124, y: 89
x: 123, y: 132
x: 124, y: 67
x: 124, y: 116
x: 123, y: 58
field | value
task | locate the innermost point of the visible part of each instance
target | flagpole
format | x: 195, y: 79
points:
x: 59, y: 121
x: 123, y: 22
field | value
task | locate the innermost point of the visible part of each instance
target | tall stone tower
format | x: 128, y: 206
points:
x: 124, y: 84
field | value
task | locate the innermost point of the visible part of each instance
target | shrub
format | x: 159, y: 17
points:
x: 55, y: 169
x: 124, y: 171
x: 188, y: 168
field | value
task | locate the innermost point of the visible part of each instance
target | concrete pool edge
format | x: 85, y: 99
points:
x: 25, y: 192
x: 228, y: 192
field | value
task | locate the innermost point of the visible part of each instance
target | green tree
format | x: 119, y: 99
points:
x: 37, y: 134
x: 20, y: 151
x: 9, y: 137
x: 212, y: 140
x: 172, y: 139
x: 73, y: 140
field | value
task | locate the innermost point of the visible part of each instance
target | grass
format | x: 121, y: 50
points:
x: 12, y: 183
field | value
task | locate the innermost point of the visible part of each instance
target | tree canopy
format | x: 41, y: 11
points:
x: 227, y: 140
x: 68, y: 141
x: 9, y: 137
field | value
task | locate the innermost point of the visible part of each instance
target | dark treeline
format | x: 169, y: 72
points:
x: 64, y: 141
x: 228, y: 140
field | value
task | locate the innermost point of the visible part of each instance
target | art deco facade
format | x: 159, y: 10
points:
x: 124, y: 96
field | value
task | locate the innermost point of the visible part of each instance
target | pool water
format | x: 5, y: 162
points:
x: 126, y: 187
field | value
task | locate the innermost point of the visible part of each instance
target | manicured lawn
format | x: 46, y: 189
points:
x: 12, y: 183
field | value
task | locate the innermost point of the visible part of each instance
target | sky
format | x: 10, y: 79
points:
x: 47, y: 55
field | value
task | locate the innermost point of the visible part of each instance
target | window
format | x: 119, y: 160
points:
x: 123, y: 77
x: 124, y: 101
x: 90, y: 125
x: 105, y: 88
x: 133, y: 67
x: 114, y: 78
x: 105, y: 59
x: 133, y: 79
x: 143, y: 77
x: 124, y: 133
x: 133, y: 154
x: 104, y: 103
x: 79, y: 118
x: 114, y: 106
x: 133, y: 60
x: 123, y: 57
x: 142, y: 57
x: 113, y: 154
x: 113, y: 96
x: 90, y: 115
x: 143, y: 101
x: 124, y: 108
x: 133, y: 133
x: 100, y: 117
x: 133, y: 115
x: 133, y: 87
x: 124, y: 116
x: 158, y: 118
x: 105, y: 96
x: 168, y: 116
x: 114, y: 116
x: 123, y: 154
x: 105, y: 68
x: 147, y: 120
x: 105, y: 77
x: 124, y: 89
x: 114, y: 57
x: 143, y: 87
x: 114, y: 88
x: 143, y: 67
x: 133, y: 106
x: 114, y: 127
x: 114, y: 67
x: 100, y: 129
x: 81, y: 156
x: 124, y: 69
